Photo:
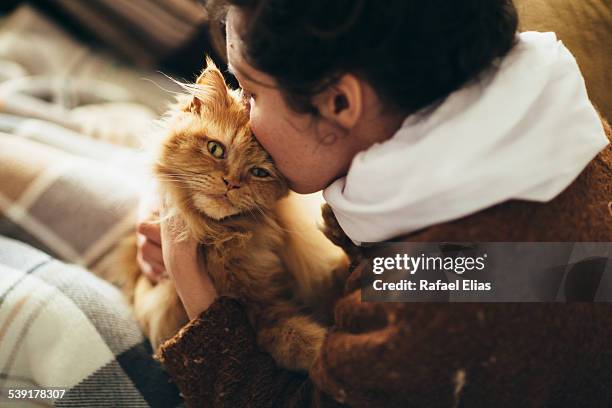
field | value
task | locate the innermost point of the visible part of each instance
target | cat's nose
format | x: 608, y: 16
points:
x: 230, y: 184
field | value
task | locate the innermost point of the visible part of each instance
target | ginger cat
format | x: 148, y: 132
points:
x: 255, y: 243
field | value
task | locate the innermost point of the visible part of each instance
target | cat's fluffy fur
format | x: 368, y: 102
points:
x: 255, y: 244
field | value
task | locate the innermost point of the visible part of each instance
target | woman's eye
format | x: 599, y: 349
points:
x: 216, y: 149
x: 259, y: 172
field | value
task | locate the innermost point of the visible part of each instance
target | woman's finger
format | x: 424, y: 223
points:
x: 155, y: 269
x: 155, y: 272
x: 151, y: 230
x: 158, y: 273
x: 152, y: 252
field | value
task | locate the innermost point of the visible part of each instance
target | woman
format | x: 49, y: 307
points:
x: 422, y: 121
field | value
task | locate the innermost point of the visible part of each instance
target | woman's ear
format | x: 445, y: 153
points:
x: 209, y: 89
x: 342, y: 103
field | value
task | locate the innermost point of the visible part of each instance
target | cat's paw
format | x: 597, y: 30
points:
x: 331, y: 227
x: 294, y: 343
x: 333, y: 232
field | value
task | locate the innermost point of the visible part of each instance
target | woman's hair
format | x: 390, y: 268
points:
x: 413, y: 53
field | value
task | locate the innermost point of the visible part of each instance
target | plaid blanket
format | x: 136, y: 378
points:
x: 72, y: 207
x: 69, y: 190
x: 60, y: 326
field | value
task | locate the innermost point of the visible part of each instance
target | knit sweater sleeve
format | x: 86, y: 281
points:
x: 365, y: 360
x: 215, y: 362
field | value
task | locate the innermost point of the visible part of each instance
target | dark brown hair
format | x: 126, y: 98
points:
x: 413, y: 53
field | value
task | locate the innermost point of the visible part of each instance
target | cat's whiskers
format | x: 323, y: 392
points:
x: 271, y: 220
x: 243, y: 205
x: 183, y: 175
x: 193, y: 179
x: 196, y: 183
x: 267, y: 217
x: 181, y: 172
x: 253, y: 207
x: 171, y: 180
x: 250, y: 210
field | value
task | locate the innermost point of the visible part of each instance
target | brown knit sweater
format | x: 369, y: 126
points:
x: 429, y: 354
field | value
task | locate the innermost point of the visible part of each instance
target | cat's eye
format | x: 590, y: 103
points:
x: 259, y: 172
x: 216, y: 149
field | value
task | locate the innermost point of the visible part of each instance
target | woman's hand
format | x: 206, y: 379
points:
x: 149, y: 254
x: 149, y: 250
x: 194, y: 286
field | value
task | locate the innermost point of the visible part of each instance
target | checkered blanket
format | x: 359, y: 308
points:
x: 60, y: 325
x: 73, y: 207
x: 69, y: 189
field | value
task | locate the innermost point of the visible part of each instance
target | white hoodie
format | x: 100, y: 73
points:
x: 525, y: 131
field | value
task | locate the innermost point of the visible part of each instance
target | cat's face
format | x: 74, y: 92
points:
x: 210, y: 157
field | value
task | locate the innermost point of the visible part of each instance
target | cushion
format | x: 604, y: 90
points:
x: 585, y: 27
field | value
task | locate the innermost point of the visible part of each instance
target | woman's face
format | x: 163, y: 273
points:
x: 310, y: 154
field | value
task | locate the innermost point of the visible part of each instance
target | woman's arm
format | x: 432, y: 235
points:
x: 215, y: 361
x: 369, y: 358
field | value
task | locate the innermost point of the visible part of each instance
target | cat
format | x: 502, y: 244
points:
x: 255, y: 242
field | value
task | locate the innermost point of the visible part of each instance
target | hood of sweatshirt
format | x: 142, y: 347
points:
x: 525, y: 130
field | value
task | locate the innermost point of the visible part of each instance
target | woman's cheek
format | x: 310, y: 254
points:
x: 264, y: 133
x: 258, y: 128
x: 255, y: 126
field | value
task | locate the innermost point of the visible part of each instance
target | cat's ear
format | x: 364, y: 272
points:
x: 210, y: 89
